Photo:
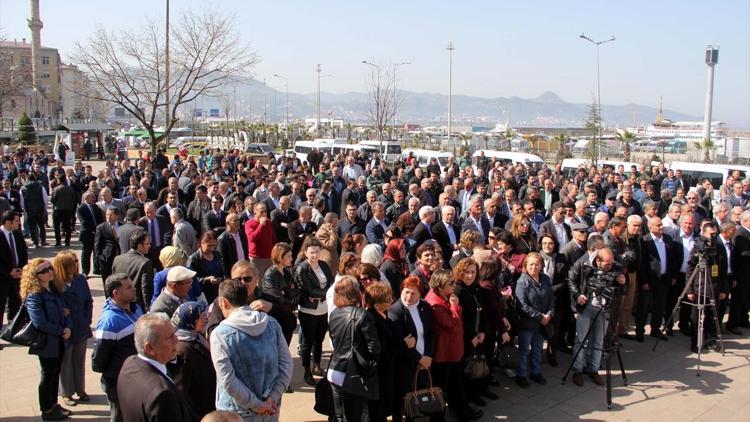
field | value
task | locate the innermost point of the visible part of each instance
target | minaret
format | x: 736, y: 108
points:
x: 35, y: 24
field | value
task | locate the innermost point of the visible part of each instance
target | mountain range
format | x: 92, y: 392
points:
x: 547, y: 110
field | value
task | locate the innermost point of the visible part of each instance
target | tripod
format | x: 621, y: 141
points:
x: 704, y: 298
x: 610, y: 344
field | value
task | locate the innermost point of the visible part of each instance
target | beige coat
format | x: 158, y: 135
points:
x: 326, y: 234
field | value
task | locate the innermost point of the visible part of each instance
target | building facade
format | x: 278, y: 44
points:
x: 16, y: 69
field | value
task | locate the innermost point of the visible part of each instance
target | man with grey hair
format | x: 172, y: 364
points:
x: 721, y: 214
x: 376, y: 227
x: 423, y: 229
x: 365, y: 210
x: 475, y: 218
x: 89, y: 216
x: 274, y: 196
x: 183, y: 237
x: 447, y: 233
x: 301, y: 228
x: 669, y: 222
x: 156, y: 343
x: 601, y: 221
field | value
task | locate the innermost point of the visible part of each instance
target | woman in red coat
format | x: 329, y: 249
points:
x: 447, y: 366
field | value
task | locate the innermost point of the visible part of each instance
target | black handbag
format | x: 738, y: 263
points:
x: 21, y: 331
x: 360, y: 379
x: 324, y: 397
x: 425, y: 402
x: 476, y: 366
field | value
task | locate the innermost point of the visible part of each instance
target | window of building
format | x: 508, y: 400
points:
x: 45, y: 59
x: 25, y: 60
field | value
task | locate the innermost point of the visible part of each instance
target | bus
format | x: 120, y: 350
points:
x: 391, y: 149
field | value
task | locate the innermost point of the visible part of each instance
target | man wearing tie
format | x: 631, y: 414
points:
x: 376, y: 227
x: 232, y: 243
x: 446, y: 232
x: 159, y: 229
x: 90, y: 216
x: 214, y: 220
x: 13, y: 256
x: 106, y: 245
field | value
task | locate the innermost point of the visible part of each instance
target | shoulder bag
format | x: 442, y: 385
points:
x: 361, y: 379
x: 476, y: 366
x: 324, y: 395
x: 21, y: 330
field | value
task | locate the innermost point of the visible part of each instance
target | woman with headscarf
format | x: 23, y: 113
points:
x: 394, y: 264
x: 79, y: 304
x: 194, y: 373
x: 169, y: 257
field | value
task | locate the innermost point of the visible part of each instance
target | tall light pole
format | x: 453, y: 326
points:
x: 598, y: 80
x: 166, y: 76
x: 712, y: 58
x: 395, y: 83
x: 377, y: 104
x: 450, y: 49
x: 317, y: 126
x: 286, y: 84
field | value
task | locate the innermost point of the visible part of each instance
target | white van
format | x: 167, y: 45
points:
x: 570, y: 166
x: 507, y: 157
x: 424, y: 156
x: 302, y: 148
x: 391, y: 149
x: 693, y: 173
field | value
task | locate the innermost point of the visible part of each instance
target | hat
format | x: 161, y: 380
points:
x: 579, y: 227
x: 612, y: 195
x: 588, y: 184
x: 186, y: 316
x: 179, y: 273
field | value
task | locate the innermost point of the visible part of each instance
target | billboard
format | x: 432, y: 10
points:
x: 198, y: 112
x: 214, y: 112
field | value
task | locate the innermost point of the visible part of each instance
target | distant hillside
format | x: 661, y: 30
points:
x: 547, y: 110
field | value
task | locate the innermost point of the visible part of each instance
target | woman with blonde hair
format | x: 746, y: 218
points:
x: 47, y: 312
x: 79, y: 303
x: 524, y: 239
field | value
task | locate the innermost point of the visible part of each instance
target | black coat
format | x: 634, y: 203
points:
x: 281, y: 286
x: 161, y: 400
x: 386, y: 363
x: 311, y: 292
x: 297, y: 234
x: 195, y: 377
x: 106, y: 248
x: 402, y: 326
x: 650, y: 269
x: 278, y: 217
x: 741, y: 256
x: 212, y: 222
x: 440, y: 233
x: 88, y: 221
x: 6, y: 262
x: 365, y: 338
x: 420, y: 235
x: 228, y: 249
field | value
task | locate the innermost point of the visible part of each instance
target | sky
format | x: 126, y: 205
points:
x: 502, y: 48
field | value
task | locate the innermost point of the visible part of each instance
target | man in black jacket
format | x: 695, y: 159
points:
x: 232, y: 244
x: 301, y: 228
x: 13, y: 257
x: 89, y: 216
x: 33, y: 199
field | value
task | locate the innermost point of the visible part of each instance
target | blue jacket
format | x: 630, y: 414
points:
x: 77, y: 298
x: 46, y: 313
x: 114, y: 339
x: 252, y: 362
x: 534, y: 300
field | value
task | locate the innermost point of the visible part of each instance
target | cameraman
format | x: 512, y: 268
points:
x: 717, y: 264
x: 585, y: 281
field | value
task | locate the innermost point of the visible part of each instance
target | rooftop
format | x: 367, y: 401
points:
x: 20, y: 44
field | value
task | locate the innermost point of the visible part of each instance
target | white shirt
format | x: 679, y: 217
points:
x: 238, y: 246
x: 11, y: 241
x: 158, y: 365
x: 414, y: 312
x: 561, y: 234
x: 451, y: 233
x: 662, y: 249
x: 687, y: 247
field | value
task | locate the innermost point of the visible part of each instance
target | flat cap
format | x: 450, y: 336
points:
x: 577, y: 227
x: 179, y: 273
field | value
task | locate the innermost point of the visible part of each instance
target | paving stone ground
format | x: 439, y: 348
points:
x: 663, y: 385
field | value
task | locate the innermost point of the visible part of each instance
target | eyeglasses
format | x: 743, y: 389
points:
x: 44, y: 271
x: 246, y: 279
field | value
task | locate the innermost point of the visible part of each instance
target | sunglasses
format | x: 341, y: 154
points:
x: 246, y: 279
x: 44, y: 271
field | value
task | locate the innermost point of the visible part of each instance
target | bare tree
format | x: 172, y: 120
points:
x: 382, y: 103
x: 14, y: 79
x: 128, y: 67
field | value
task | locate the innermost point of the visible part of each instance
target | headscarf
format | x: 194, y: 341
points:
x: 392, y: 253
x: 171, y: 256
x: 185, y: 319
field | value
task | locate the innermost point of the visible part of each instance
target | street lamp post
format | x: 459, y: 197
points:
x: 395, y: 82
x: 317, y: 126
x: 598, y: 80
x: 450, y: 49
x: 286, y: 84
x: 377, y: 101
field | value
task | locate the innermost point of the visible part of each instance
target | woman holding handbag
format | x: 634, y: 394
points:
x: 447, y: 365
x: 47, y: 312
x: 536, y: 309
x: 79, y: 303
x: 352, y: 371
x: 279, y: 284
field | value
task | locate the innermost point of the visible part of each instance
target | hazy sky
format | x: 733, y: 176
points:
x: 503, y: 48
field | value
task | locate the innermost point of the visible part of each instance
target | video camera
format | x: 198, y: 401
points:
x: 706, y: 248
x: 604, y: 285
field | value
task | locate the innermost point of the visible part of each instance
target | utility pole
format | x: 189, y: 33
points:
x: 450, y: 49
x: 317, y: 125
x: 395, y: 83
x: 286, y: 84
x: 166, y: 77
x: 598, y: 81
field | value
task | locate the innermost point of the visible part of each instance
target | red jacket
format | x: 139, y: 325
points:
x: 449, y: 329
x: 260, y: 239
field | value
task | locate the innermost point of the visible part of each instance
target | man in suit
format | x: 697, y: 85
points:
x: 476, y: 220
x: 423, y: 230
x: 738, y: 310
x: 216, y: 219
x: 184, y: 237
x: 160, y: 231
x: 300, y: 228
x: 125, y: 230
x: 232, y: 244
x: 446, y: 232
x: 89, y: 216
x: 160, y: 400
x: 139, y: 202
x: 494, y: 217
x: 107, y: 201
x: 655, y: 276
x: 138, y: 268
x: 274, y: 196
x: 549, y: 195
x: 106, y: 245
x: 170, y: 205
x: 172, y: 187
x: 464, y: 196
x: 376, y: 227
x: 13, y: 256
x: 12, y: 195
x: 281, y: 217
x: 175, y: 292
x: 556, y: 226
x: 576, y: 247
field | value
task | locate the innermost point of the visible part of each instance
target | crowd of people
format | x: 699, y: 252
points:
x: 418, y: 275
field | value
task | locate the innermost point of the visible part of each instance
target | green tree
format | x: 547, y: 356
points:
x: 594, y: 124
x: 626, y: 138
x: 349, y: 128
x: 466, y: 139
x: 561, y: 139
x: 706, y: 145
x: 26, y: 130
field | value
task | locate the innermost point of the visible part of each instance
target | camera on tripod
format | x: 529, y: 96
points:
x: 706, y: 247
x: 603, y: 284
